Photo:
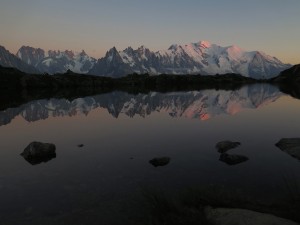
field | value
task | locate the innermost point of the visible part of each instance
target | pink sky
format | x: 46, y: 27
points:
x: 96, y: 26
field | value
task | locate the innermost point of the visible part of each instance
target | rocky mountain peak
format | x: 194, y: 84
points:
x: 82, y: 53
x: 129, y: 50
x: 69, y: 53
x: 173, y: 47
x: 8, y: 59
x: 204, y: 44
x: 194, y: 58
x: 56, y: 61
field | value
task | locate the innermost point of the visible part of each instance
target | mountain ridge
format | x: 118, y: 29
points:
x: 201, y: 57
x: 53, y: 61
x: 194, y: 58
x: 8, y: 59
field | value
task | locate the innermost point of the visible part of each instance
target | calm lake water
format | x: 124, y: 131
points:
x: 101, y: 182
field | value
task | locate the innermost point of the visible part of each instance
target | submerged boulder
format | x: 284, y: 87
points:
x: 232, y: 159
x: 38, y: 152
x: 162, y: 161
x: 224, y: 146
x: 291, y: 146
x: 227, y: 216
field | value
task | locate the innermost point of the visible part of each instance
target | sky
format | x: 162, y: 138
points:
x: 96, y: 26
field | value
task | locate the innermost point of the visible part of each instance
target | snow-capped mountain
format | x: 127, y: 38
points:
x: 195, y: 58
x: 8, y: 59
x: 201, y: 105
x: 56, y: 61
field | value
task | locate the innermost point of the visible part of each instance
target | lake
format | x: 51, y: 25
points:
x: 102, y: 181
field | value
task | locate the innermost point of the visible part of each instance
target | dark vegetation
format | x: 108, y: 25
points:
x: 166, y: 83
x: 17, y: 87
x: 15, y: 79
x: 289, y: 81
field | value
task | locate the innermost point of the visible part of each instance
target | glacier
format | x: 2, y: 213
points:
x: 195, y: 58
x: 201, y: 57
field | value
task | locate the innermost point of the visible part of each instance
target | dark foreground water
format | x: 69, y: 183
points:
x: 103, y: 181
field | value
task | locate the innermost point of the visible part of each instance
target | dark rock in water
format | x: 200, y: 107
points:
x: 232, y: 159
x: 291, y: 146
x: 80, y: 146
x: 163, y: 161
x: 224, y: 146
x: 37, y: 152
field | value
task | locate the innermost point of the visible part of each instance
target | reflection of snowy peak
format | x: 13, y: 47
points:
x: 202, y: 57
x: 194, y: 104
x: 56, y: 61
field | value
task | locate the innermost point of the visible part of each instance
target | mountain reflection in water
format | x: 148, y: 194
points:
x: 203, y: 105
x: 105, y: 165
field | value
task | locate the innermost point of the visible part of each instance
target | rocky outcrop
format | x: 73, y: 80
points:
x: 38, y: 152
x: 224, y: 146
x: 162, y: 161
x: 290, y: 146
x: 231, y: 159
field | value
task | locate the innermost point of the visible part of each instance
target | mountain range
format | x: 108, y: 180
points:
x: 56, y: 61
x: 9, y: 60
x: 201, y: 105
x: 194, y: 58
